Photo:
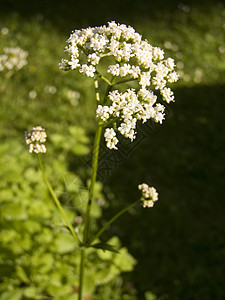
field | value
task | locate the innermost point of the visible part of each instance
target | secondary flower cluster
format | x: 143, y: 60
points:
x: 149, y: 195
x: 134, y: 59
x: 36, y: 139
x: 129, y: 107
x: 13, y: 59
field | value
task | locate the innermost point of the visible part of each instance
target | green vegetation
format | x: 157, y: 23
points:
x: 179, y: 244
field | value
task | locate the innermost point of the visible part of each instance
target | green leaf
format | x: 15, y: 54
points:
x: 64, y: 243
x: 106, y: 274
x: 124, y: 260
x: 15, y: 294
x: 150, y: 296
x: 30, y: 292
x: 32, y: 176
x: 13, y: 210
x: 105, y: 247
x: 6, y: 195
x: 58, y: 291
x: 21, y: 274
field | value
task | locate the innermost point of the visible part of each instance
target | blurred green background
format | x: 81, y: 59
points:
x: 179, y: 245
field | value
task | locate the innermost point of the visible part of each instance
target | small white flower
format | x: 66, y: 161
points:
x: 114, y: 70
x: 103, y: 112
x: 159, y: 117
x: 159, y: 82
x: 158, y: 54
x: 148, y: 203
x: 36, y: 139
x: 145, y: 79
x: 93, y: 59
x: 89, y: 71
x: 74, y: 63
x: 124, y: 70
x: 173, y: 77
x: 167, y: 95
x: 170, y: 63
x: 111, y: 139
x: 134, y: 71
x: 149, y: 195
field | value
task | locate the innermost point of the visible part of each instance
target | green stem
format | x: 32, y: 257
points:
x: 88, y: 209
x: 100, y: 232
x: 124, y: 81
x: 56, y: 200
x: 81, y: 275
x: 109, y: 88
x: 103, y: 78
x: 97, y: 89
x: 93, y: 180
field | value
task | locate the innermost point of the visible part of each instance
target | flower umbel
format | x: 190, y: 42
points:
x: 130, y: 58
x: 36, y: 139
x: 149, y: 195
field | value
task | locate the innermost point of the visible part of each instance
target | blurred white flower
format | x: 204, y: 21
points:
x: 50, y: 89
x: 73, y: 97
x: 13, y: 59
x: 5, y: 30
x: 36, y: 139
x: 32, y: 94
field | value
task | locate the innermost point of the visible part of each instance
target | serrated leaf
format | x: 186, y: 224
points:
x: 105, y: 247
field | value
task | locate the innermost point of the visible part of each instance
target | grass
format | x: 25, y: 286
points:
x: 179, y: 244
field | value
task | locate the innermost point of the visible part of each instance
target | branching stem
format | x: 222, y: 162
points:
x: 57, y: 202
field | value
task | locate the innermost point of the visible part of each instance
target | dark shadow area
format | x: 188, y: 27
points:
x: 69, y: 14
x: 179, y: 244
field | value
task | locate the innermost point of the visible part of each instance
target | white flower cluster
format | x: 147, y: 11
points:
x: 129, y: 107
x: 13, y: 59
x: 134, y: 59
x: 110, y: 138
x: 36, y: 139
x: 149, y: 195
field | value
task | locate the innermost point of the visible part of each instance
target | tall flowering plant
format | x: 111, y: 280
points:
x: 124, y: 56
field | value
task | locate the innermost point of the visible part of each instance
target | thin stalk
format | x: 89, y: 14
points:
x: 103, y: 78
x: 81, y: 275
x: 57, y: 202
x: 109, y: 88
x: 88, y: 209
x: 100, y: 232
x: 93, y: 180
x: 124, y: 81
x: 97, y: 89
